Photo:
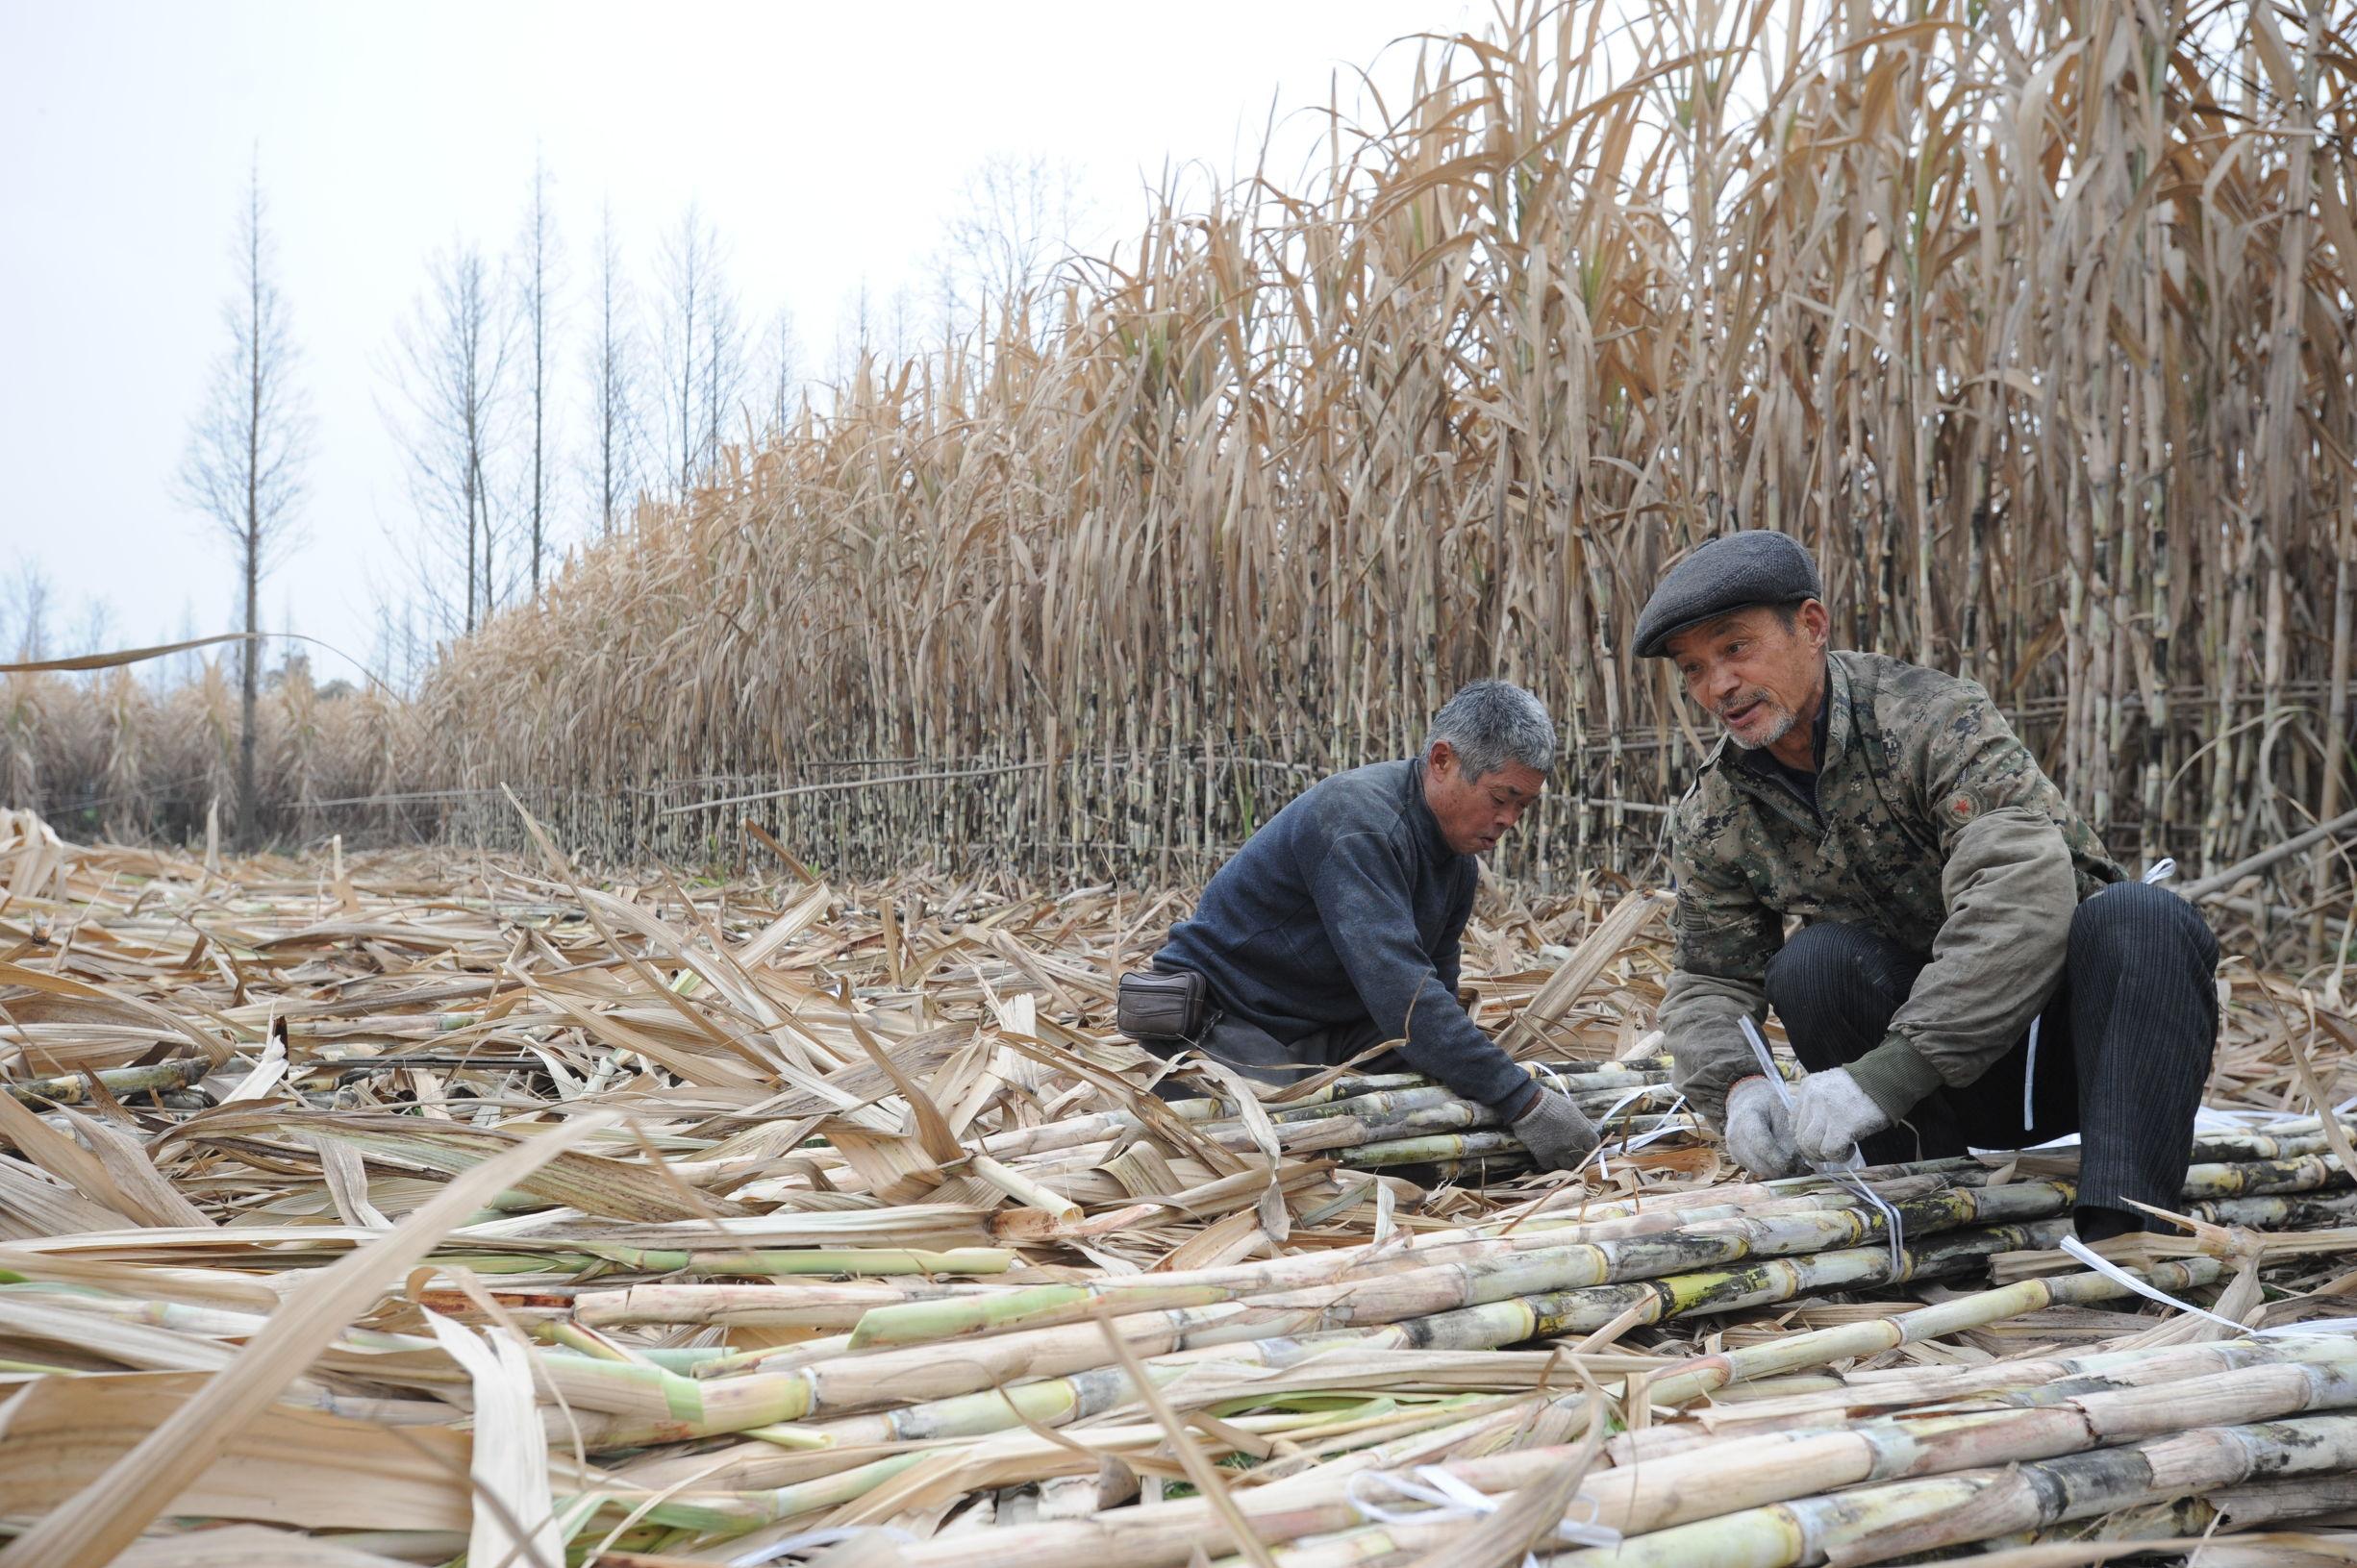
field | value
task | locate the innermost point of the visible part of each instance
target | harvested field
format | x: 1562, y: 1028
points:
x: 410, y: 1206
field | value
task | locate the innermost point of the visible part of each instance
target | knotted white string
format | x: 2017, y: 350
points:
x: 1838, y: 1170
x: 2119, y: 1276
x: 810, y: 1540
x: 1661, y: 1131
x: 1448, y: 1498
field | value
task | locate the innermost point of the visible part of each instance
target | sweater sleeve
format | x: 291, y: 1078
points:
x: 1449, y: 962
x: 1362, y: 890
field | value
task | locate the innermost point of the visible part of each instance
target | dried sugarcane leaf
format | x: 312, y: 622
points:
x: 109, y: 1512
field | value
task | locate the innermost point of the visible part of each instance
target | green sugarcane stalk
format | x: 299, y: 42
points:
x: 1163, y: 1535
x: 1871, y: 1522
x: 1571, y: 1077
x: 1349, y: 1127
x: 1732, y: 1474
x: 1721, y: 1478
x: 1418, y: 1291
x: 73, y: 1088
x: 830, y: 1260
x: 658, y: 1413
x: 712, y: 1405
x: 954, y: 1311
x: 1586, y: 1087
x: 1461, y: 1147
x: 799, y: 1306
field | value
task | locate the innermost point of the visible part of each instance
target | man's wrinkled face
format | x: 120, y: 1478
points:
x: 1758, y: 672
x: 1475, y: 813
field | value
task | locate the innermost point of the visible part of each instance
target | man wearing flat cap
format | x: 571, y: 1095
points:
x: 1972, y: 970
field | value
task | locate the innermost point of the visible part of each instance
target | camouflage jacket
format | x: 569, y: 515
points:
x: 1933, y: 825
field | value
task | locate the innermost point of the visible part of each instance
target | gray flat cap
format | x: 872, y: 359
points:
x: 1722, y: 575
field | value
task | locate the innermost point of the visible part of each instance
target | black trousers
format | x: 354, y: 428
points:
x: 2123, y: 1048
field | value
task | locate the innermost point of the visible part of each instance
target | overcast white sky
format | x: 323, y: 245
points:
x: 828, y: 143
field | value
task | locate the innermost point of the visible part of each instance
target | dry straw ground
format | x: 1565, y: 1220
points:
x: 385, y: 1210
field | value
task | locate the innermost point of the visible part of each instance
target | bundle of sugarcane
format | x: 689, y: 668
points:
x: 523, y: 1219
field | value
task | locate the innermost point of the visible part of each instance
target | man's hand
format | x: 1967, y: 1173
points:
x: 1760, y: 1132
x: 1831, y: 1113
x: 1557, y: 1132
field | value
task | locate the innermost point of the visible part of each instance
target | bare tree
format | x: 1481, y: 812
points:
x: 724, y: 373
x: 247, y: 448
x: 703, y: 350
x: 782, y: 371
x: 538, y: 265
x: 26, y: 620
x: 449, y: 372
x: 614, y: 390
x: 180, y: 668
x: 94, y: 634
x: 854, y: 334
x: 1017, y: 222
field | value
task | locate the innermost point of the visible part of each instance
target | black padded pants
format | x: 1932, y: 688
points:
x: 2123, y: 1047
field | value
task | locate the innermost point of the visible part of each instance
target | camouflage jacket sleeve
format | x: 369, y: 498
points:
x: 1725, y: 936
x: 2010, y: 891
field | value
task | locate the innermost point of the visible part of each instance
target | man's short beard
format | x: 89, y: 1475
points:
x: 1786, y: 718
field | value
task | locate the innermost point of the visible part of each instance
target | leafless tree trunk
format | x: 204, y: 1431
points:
x: 702, y: 346
x: 614, y: 383
x: 95, y: 635
x: 1017, y: 222
x: 248, y: 447
x: 784, y: 349
x: 723, y: 373
x: 449, y: 375
x: 29, y: 598
x: 542, y: 259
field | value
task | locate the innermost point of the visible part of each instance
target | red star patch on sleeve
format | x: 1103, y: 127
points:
x: 1961, y: 807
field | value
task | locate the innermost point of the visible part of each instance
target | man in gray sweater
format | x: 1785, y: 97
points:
x: 1339, y: 924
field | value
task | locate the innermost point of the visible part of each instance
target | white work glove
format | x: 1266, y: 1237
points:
x: 1831, y: 1114
x: 1557, y: 1132
x: 1759, y: 1133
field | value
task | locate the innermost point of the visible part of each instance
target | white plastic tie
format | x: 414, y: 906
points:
x: 2160, y: 871
x: 811, y: 1540
x: 2095, y: 1261
x: 1662, y: 1129
x: 2029, y: 1079
x: 1766, y: 1060
x: 1840, y: 1171
x: 1447, y: 1497
x: 2119, y: 1276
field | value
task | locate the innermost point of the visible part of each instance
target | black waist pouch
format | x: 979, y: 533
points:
x: 1159, y: 1006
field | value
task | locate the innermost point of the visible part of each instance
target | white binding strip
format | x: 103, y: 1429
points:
x: 810, y: 1540
x: 1662, y: 1129
x: 1855, y: 1185
x: 2119, y: 1276
x: 1449, y: 1499
x: 2095, y: 1261
x: 2029, y: 1079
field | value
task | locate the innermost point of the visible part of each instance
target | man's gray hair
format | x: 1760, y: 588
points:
x: 1491, y: 723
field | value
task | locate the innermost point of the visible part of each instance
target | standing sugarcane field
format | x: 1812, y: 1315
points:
x: 1319, y: 785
